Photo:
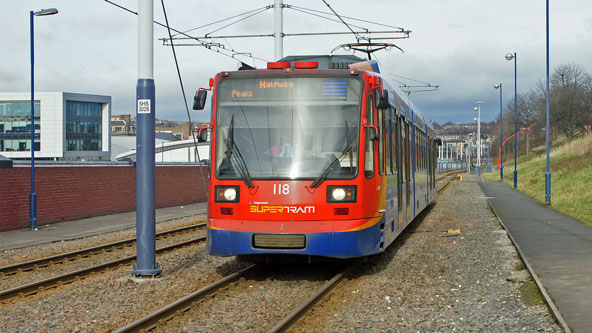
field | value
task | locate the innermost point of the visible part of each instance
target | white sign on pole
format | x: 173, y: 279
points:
x: 143, y: 106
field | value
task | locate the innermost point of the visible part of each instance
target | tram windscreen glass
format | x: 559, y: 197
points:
x: 287, y: 128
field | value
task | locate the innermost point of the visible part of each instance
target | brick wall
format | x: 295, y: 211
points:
x: 66, y: 192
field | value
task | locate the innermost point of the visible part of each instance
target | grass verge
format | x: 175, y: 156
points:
x: 571, y: 174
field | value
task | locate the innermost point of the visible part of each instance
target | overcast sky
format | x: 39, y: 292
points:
x: 91, y: 47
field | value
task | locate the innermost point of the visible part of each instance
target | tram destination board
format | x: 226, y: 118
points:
x: 287, y: 89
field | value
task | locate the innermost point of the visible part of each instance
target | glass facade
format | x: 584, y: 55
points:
x: 15, y: 125
x: 83, y: 126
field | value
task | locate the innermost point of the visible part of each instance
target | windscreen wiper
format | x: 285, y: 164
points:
x: 238, y: 162
x: 351, y: 151
x: 348, y: 150
x: 242, y: 167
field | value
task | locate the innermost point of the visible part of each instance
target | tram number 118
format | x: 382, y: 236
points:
x: 281, y: 189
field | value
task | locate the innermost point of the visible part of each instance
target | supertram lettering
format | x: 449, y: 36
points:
x: 283, y: 209
x: 267, y: 209
x: 296, y: 210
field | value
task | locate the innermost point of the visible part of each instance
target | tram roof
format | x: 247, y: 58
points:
x: 346, y: 61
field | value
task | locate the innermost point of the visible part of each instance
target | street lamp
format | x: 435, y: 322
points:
x: 548, y: 172
x: 33, y: 197
x: 488, y: 155
x: 501, y: 133
x: 478, y: 110
x: 469, y: 152
x: 509, y: 57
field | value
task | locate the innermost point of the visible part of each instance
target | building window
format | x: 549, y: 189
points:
x: 15, y: 125
x: 83, y: 126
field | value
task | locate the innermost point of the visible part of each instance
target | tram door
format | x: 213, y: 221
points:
x: 399, y: 168
x: 408, y: 156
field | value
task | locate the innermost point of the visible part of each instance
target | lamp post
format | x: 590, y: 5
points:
x: 548, y: 172
x: 501, y: 133
x: 478, y: 110
x: 488, y: 155
x: 509, y: 57
x: 33, y: 196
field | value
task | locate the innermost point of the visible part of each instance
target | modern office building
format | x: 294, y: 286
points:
x: 68, y: 126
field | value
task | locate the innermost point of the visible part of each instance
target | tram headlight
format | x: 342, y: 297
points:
x: 230, y: 194
x: 227, y: 194
x: 338, y: 194
x: 341, y: 193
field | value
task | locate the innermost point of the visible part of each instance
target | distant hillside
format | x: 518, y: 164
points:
x: 450, y: 128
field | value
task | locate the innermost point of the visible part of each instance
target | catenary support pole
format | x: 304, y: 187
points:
x: 278, y: 34
x: 501, y: 135
x: 515, y: 121
x: 145, y: 149
x: 33, y: 196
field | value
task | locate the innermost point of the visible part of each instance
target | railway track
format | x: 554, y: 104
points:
x: 180, y: 306
x: 33, y: 288
x: 87, y: 252
x: 448, y: 177
x: 168, y: 313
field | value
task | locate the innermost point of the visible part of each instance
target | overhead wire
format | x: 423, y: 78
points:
x: 347, y: 17
x: 410, y: 79
x: 209, y: 46
x: 358, y: 37
x: 237, y: 21
x: 225, y: 19
x: 185, y: 100
x: 323, y: 17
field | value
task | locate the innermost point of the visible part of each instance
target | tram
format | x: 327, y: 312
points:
x: 313, y: 156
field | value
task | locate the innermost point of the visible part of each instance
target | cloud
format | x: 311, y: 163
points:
x: 91, y: 47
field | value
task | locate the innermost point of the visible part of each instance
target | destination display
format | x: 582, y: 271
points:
x: 281, y: 89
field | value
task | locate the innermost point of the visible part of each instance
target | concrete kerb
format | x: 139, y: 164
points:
x: 554, y: 311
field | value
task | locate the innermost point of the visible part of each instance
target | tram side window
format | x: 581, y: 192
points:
x: 422, y: 151
x: 389, y: 142
x: 415, y: 149
x: 381, y: 133
x: 395, y: 152
x: 417, y: 135
x: 402, y: 145
x: 408, y: 153
x: 369, y: 158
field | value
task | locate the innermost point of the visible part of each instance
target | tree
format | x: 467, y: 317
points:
x: 570, y: 99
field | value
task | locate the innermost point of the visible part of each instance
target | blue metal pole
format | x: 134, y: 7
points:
x: 489, y: 156
x: 145, y: 149
x: 479, y: 139
x: 501, y: 137
x: 515, y: 123
x: 548, y: 173
x: 33, y: 196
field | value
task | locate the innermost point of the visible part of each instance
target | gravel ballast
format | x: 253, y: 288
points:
x: 425, y: 281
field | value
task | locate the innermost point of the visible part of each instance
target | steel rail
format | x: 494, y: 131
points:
x: 312, y: 300
x: 70, y: 256
x: 451, y: 175
x: 151, y: 320
x: 67, y: 278
x: 309, y: 302
x: 163, y: 314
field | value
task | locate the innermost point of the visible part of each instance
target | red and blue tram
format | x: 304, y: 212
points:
x: 314, y: 161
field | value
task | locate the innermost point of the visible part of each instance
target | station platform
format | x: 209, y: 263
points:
x: 74, y: 229
x: 557, y: 247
